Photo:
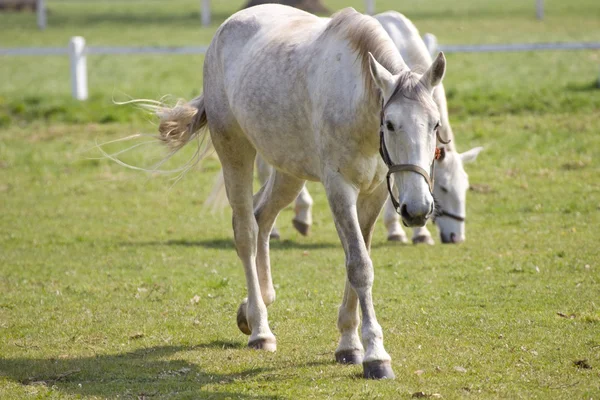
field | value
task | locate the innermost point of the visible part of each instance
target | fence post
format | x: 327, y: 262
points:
x: 79, y: 87
x: 539, y: 9
x: 205, y: 12
x: 41, y: 14
x: 431, y: 43
x: 370, y: 6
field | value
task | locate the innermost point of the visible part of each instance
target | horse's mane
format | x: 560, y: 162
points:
x: 365, y: 35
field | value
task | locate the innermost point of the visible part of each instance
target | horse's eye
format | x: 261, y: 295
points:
x: 389, y: 126
x: 437, y: 126
x: 443, y: 189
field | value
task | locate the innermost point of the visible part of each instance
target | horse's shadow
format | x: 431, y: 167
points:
x: 227, y: 244
x: 143, y: 373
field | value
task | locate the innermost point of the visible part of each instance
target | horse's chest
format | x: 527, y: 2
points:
x: 366, y: 173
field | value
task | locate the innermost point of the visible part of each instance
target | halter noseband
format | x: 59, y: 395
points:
x: 393, y: 168
x: 449, y: 215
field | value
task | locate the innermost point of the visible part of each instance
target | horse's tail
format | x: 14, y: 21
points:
x: 182, y: 123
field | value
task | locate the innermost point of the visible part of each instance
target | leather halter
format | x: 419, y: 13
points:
x: 449, y: 215
x: 393, y: 168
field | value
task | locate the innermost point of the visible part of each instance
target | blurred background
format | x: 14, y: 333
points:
x: 38, y: 87
x: 117, y: 283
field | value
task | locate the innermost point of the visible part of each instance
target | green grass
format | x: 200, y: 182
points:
x: 100, y: 265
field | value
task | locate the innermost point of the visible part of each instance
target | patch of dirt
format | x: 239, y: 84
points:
x: 583, y: 364
x: 570, y: 166
x: 481, y: 188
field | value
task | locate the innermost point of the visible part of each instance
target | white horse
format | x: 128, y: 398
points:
x: 310, y: 95
x: 451, y: 180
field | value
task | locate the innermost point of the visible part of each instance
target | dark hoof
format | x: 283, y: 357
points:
x: 423, y: 240
x: 301, y: 227
x: 274, y: 234
x: 349, y: 357
x: 263, y: 344
x: 378, y: 370
x: 242, y: 322
x: 397, y: 238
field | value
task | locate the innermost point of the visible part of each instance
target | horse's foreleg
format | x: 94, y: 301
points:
x: 355, y: 237
x: 303, y: 209
x: 279, y: 191
x: 391, y: 220
x: 350, y: 349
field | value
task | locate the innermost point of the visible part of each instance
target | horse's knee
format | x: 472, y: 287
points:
x: 360, y: 273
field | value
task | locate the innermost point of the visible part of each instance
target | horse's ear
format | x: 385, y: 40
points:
x: 434, y: 75
x: 470, y: 155
x: 382, y: 77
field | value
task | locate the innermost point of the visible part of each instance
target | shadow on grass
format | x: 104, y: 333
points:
x: 584, y: 86
x: 227, y: 244
x: 142, y: 373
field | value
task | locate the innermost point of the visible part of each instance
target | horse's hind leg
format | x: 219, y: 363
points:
x: 391, y: 220
x: 237, y: 158
x: 264, y: 170
x: 303, y: 209
x: 279, y: 191
x: 422, y: 235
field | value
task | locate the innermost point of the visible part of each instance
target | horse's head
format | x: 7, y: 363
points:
x: 410, y: 119
x: 450, y: 192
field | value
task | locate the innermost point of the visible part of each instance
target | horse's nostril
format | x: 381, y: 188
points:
x: 404, y: 211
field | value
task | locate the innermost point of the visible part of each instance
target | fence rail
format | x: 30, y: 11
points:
x: 77, y: 51
x: 447, y: 48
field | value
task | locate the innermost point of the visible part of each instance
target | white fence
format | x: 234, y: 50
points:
x: 77, y: 51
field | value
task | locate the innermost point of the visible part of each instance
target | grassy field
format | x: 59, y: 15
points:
x: 117, y: 284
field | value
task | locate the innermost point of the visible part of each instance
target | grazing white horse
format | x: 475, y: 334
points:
x: 310, y: 96
x: 451, y: 180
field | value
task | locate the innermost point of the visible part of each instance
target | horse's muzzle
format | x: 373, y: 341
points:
x: 452, y: 238
x: 414, y: 218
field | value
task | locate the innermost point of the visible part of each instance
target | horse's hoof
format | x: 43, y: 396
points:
x: 378, y: 370
x: 274, y: 234
x: 397, y: 238
x: 268, y: 344
x: 301, y: 227
x: 242, y: 322
x: 423, y: 240
x: 349, y: 357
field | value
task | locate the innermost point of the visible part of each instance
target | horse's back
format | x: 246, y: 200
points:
x: 407, y: 39
x: 248, y: 29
